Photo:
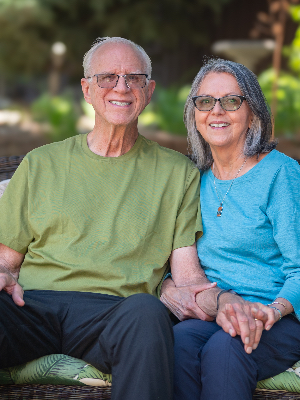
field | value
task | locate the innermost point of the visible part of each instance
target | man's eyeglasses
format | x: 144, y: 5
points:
x: 109, y: 81
x: 228, y: 103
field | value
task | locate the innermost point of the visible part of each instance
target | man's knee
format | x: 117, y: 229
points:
x: 144, y: 304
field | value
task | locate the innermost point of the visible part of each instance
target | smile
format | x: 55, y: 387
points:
x: 222, y: 125
x: 120, y: 103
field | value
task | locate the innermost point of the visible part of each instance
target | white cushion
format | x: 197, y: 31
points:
x: 3, y: 185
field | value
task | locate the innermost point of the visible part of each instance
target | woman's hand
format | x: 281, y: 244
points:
x: 181, y: 301
x: 240, y: 317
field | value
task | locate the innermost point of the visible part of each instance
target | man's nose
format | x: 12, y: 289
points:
x: 121, y: 84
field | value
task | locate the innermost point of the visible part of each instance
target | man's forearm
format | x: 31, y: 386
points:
x: 185, y: 267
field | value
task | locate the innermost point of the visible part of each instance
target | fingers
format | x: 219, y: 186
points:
x: 200, y: 288
x: 258, y: 333
x: 247, y: 325
x: 247, y: 320
x: 271, y: 317
x: 225, y: 320
x: 195, y: 289
x: 265, y: 314
x: 17, y: 295
x: 9, y: 284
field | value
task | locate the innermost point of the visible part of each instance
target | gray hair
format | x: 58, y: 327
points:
x: 258, y: 138
x: 101, y: 41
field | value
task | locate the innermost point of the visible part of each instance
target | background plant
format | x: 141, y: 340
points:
x: 165, y: 111
x: 59, y: 112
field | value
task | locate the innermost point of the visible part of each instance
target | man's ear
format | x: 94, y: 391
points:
x: 151, y: 87
x: 86, y: 90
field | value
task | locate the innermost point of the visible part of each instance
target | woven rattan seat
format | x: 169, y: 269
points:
x: 62, y: 392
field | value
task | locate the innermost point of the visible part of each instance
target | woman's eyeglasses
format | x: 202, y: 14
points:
x: 228, y: 103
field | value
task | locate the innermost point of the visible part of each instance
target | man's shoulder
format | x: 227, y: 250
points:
x: 54, y: 150
x: 167, y: 155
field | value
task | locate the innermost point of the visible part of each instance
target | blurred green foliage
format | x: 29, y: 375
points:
x: 293, y: 51
x: 30, y: 27
x: 59, y: 112
x: 165, y: 111
x: 287, y: 120
x: 24, y: 36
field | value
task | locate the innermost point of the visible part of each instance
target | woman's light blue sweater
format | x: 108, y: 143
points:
x: 254, y: 247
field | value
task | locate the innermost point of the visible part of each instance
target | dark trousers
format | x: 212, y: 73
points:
x: 211, y: 365
x: 130, y: 337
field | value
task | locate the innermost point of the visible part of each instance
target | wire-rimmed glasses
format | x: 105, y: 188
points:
x: 109, y: 81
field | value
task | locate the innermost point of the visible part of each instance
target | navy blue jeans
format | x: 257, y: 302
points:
x: 211, y: 365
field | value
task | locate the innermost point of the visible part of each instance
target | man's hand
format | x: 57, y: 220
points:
x: 10, y: 263
x: 240, y: 317
x: 181, y: 301
x: 10, y: 285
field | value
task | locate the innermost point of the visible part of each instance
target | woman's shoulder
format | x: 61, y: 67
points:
x: 277, y: 158
x: 276, y: 161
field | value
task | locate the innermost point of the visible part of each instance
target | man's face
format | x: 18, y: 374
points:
x: 119, y: 105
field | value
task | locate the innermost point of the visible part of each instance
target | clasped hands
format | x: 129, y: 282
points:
x: 235, y: 315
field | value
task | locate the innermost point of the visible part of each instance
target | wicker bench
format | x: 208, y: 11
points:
x: 39, y: 392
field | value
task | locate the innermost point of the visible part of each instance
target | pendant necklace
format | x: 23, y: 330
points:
x: 220, y: 208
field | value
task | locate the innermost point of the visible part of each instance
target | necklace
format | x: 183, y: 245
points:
x: 220, y: 208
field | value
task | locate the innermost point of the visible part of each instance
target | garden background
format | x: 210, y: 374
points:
x: 42, y: 43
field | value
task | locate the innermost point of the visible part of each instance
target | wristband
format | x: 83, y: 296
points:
x: 224, y: 291
x: 278, y: 302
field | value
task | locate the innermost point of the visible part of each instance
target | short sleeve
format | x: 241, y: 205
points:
x: 14, y: 225
x: 188, y: 227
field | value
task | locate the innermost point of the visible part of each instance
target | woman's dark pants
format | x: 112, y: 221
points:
x: 211, y: 365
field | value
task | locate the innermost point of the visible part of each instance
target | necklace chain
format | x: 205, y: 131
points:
x: 220, y: 208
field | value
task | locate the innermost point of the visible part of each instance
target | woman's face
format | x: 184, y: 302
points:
x: 220, y: 128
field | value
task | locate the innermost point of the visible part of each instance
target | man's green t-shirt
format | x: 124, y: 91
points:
x: 99, y: 224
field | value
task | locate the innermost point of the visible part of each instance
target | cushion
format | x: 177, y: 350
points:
x: 288, y: 380
x: 55, y: 369
x: 3, y: 185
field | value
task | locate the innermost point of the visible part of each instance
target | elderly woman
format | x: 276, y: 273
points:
x: 250, y: 201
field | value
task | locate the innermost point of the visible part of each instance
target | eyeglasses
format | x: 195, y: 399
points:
x: 109, y: 81
x: 228, y: 103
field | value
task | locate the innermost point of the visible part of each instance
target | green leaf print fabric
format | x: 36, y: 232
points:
x: 288, y: 380
x: 59, y: 369
x: 55, y: 369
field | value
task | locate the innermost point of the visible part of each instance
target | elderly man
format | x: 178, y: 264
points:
x: 87, y: 227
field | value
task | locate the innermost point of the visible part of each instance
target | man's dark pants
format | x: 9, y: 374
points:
x: 129, y: 337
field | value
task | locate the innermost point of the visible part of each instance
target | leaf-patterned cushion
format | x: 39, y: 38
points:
x: 55, y: 369
x: 59, y: 369
x: 288, y: 380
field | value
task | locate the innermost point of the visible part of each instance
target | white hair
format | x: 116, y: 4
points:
x: 101, y: 41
